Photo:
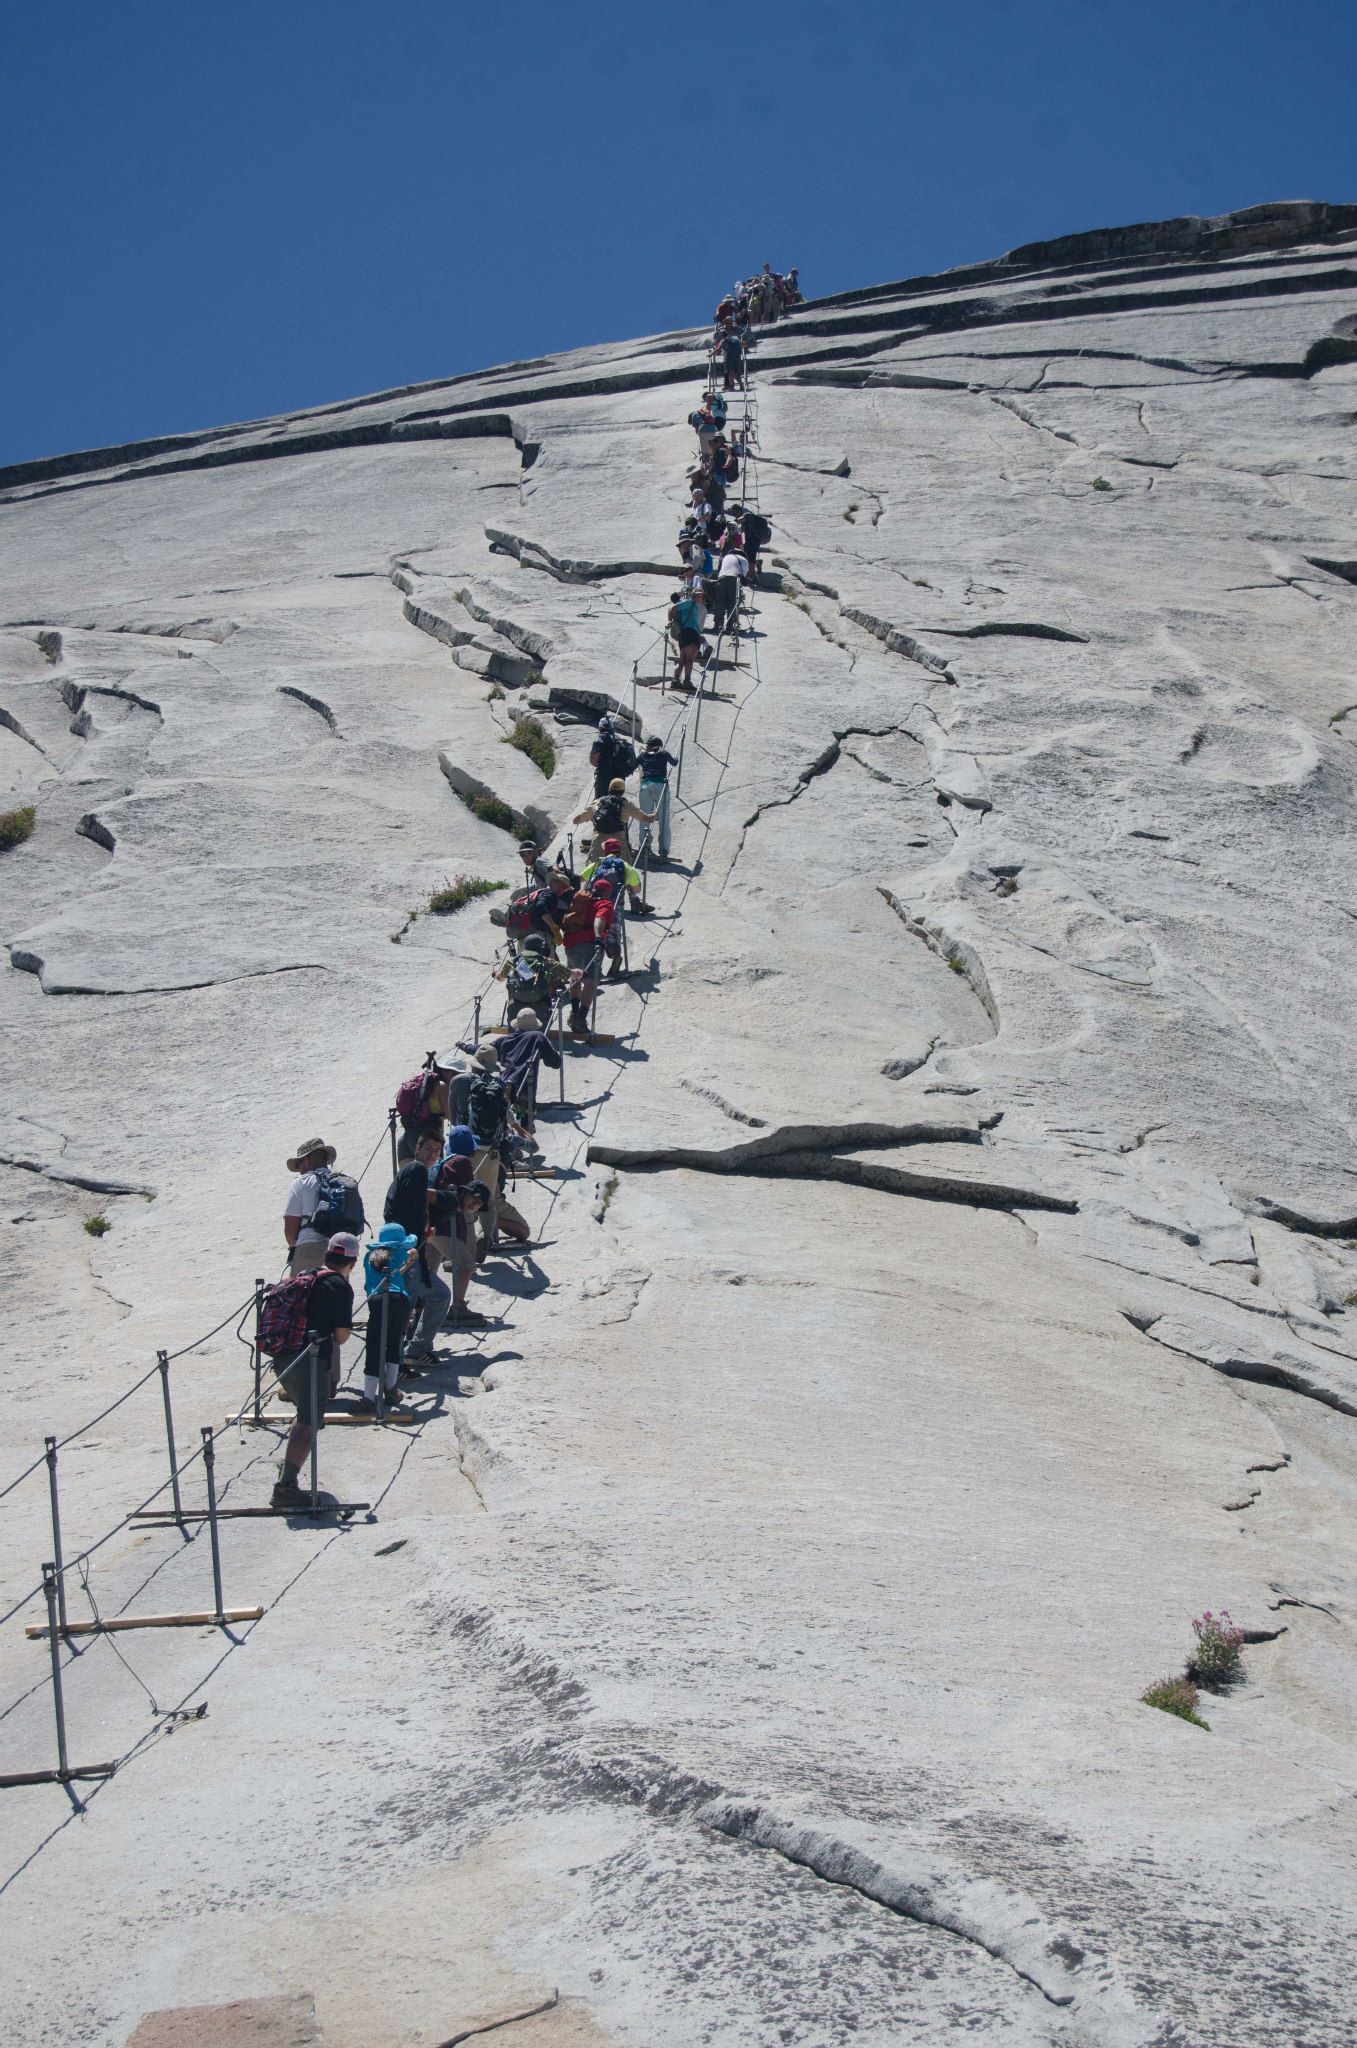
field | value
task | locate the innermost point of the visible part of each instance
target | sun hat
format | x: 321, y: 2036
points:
x: 487, y: 1056
x: 309, y: 1151
x: 527, y: 1020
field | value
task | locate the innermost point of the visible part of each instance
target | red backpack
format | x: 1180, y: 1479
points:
x: 412, y: 1095
x: 283, y: 1317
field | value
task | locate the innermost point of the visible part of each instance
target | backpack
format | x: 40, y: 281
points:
x: 527, y: 982
x: 283, y: 1317
x: 620, y: 758
x: 412, y: 1095
x: 758, y: 529
x: 486, y: 1111
x: 340, y: 1206
x: 608, y: 815
x: 608, y: 877
x: 525, y: 912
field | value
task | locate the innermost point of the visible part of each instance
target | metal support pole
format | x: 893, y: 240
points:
x: 257, y: 1354
x: 560, y: 1039
x: 395, y: 1155
x: 645, y: 870
x: 50, y: 1443
x: 634, y: 727
x: 163, y: 1361
x: 209, y: 1470
x: 476, y: 1024
x: 678, y: 772
x: 49, y: 1587
x: 315, y: 1423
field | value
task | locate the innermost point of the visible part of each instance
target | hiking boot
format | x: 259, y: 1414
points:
x: 470, y: 1319
x: 287, y: 1495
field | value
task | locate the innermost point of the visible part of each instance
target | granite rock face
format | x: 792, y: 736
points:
x: 949, y: 1291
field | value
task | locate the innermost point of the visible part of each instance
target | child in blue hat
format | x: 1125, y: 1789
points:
x: 387, y: 1265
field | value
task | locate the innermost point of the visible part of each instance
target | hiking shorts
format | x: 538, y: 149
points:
x: 458, y: 1254
x: 295, y: 1379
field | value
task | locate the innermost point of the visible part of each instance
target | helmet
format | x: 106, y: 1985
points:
x: 605, y: 723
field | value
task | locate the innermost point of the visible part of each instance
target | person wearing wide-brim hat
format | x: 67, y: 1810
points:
x: 305, y: 1246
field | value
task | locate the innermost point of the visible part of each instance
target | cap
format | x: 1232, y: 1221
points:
x: 460, y: 1142
x: 343, y: 1245
x: 308, y: 1151
x: 612, y: 846
x: 528, y: 846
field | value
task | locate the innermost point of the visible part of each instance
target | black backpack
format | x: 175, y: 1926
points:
x: 340, y: 1206
x: 608, y: 815
x: 757, y: 529
x: 486, y: 1111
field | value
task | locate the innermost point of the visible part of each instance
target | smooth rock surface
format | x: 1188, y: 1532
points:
x: 947, y: 1290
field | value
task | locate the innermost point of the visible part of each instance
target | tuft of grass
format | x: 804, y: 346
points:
x: 16, y: 826
x: 492, y: 810
x: 1100, y: 483
x: 456, y: 895
x: 957, y: 966
x: 495, y: 694
x: 606, y: 1193
x: 531, y: 737
x: 1350, y: 1301
x: 97, y: 1226
x: 534, y: 680
x: 1215, y: 1660
x: 1176, y: 1696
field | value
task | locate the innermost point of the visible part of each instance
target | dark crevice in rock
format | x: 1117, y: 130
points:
x: 1307, y: 1225
x: 1021, y: 629
x: 898, y: 641
x: 91, y: 827
x: 96, y: 1184
x: 316, y: 704
x: 28, y: 962
x: 566, y: 569
x: 738, y: 1116
x: 1270, y: 1372
x: 1346, y: 569
x: 11, y: 724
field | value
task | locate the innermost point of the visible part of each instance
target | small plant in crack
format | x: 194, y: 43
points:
x: 492, y: 810
x: 16, y: 826
x: 456, y: 895
x: 534, y: 679
x: 957, y: 966
x: 605, y: 1196
x: 97, y: 1226
x: 495, y: 694
x: 1176, y: 1696
x: 531, y: 737
x: 1215, y: 1660
x: 1100, y: 483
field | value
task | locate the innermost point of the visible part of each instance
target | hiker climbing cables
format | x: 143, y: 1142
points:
x: 611, y: 813
x: 610, y: 873
x: 610, y: 756
x: 655, y: 765
x: 309, y: 1313
x: 319, y: 1202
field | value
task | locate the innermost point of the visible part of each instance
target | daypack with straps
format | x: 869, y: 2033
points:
x: 283, y: 1317
x: 758, y: 529
x: 340, y: 1206
x: 608, y: 877
x: 608, y: 814
x: 528, y: 982
x: 527, y: 911
x: 412, y: 1095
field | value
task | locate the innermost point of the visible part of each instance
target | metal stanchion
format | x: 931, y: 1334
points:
x: 257, y: 1354
x: 49, y: 1587
x: 634, y: 667
x: 209, y: 1470
x: 381, y: 1357
x: 476, y: 1024
x: 315, y: 1424
x: 58, y: 1566
x: 678, y: 772
x: 395, y: 1154
x: 163, y: 1361
x: 560, y: 1040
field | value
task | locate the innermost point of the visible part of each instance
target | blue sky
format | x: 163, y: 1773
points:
x: 214, y: 213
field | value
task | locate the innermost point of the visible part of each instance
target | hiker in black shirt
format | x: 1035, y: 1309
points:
x: 609, y: 756
x: 407, y: 1203
x: 329, y: 1322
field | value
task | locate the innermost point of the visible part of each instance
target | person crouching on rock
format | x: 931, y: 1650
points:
x: 492, y: 1122
x: 407, y: 1203
x: 388, y: 1275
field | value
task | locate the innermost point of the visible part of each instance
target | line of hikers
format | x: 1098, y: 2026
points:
x: 466, y: 1119
x: 752, y: 302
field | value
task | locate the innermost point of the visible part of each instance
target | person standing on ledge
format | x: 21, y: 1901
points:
x: 329, y: 1325
x: 610, y: 756
x: 656, y: 762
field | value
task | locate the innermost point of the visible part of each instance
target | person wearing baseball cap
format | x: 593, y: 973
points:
x: 329, y: 1325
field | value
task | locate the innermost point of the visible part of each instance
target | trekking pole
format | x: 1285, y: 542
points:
x: 210, y: 1474
x: 49, y: 1587
x: 51, y: 1446
x: 395, y: 1157
x: 257, y: 1354
x: 315, y: 1423
x: 163, y: 1361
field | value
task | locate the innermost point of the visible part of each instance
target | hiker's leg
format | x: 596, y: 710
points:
x: 305, y: 1258
x: 430, y: 1306
x: 398, y: 1309
x: 485, y: 1166
x: 662, y: 821
x: 296, y: 1451
x: 512, y: 1221
x: 378, y: 1305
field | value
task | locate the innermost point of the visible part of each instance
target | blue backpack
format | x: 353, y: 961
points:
x: 609, y: 876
